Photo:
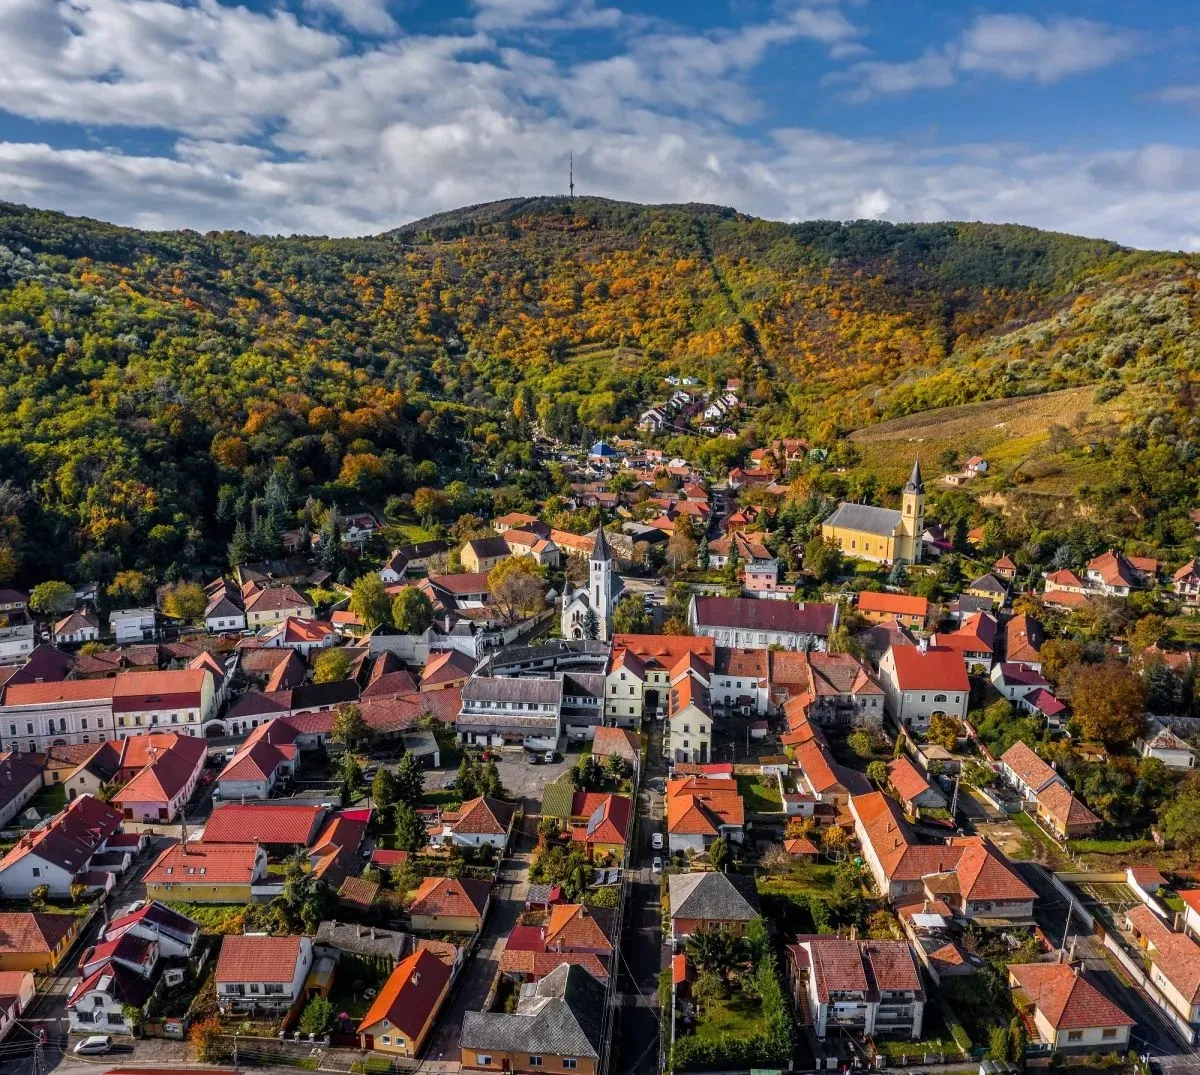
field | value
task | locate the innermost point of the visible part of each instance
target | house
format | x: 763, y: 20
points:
x: 1017, y: 682
x: 919, y: 681
x: 449, y: 905
x: 1167, y: 747
x: 77, y: 627
x: 401, y: 1016
x: 16, y: 994
x: 967, y: 873
x: 989, y: 588
x: 113, y: 975
x: 883, y: 607
x: 20, y: 781
x: 175, y: 934
x: 639, y: 677
x: 911, y: 787
x: 269, y: 756
x: 1069, y: 1012
x: 702, y: 901
x: 1191, y: 911
x: 1174, y: 961
x: 268, y: 605
x: 12, y: 600
x: 133, y: 624
x: 17, y: 641
x: 1185, y: 582
x: 829, y: 689
x: 877, y: 640
x: 476, y: 823
x: 600, y: 822
x: 865, y: 987
x: 975, y: 639
x: 1062, y: 812
x: 753, y: 624
x: 277, y: 827
x: 334, y: 853
x: 741, y: 680
x: 1063, y: 581
x: 480, y: 555
x: 257, y: 973
x: 1026, y: 772
x: 527, y: 543
x: 34, y: 941
x: 1005, y: 568
x: 616, y: 742
x: 446, y: 668
x: 742, y: 545
x: 198, y: 872
x: 700, y: 809
x: 59, y: 852
x: 162, y: 787
x: 571, y: 933
x: 822, y: 778
x: 1115, y: 574
x: 689, y: 717
x: 1023, y: 638
x: 497, y: 710
x: 302, y: 635
x: 557, y: 1026
x: 225, y: 610
x: 883, y: 535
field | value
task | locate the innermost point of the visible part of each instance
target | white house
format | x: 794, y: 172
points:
x: 741, y: 680
x: 919, y: 681
x: 77, y: 627
x: 1017, y: 681
x: 260, y: 973
x: 16, y: 643
x: 16, y: 994
x: 1167, y: 747
x: 133, y: 624
x: 114, y: 973
x: 476, y: 823
x: 20, y: 781
x: 175, y: 934
x: 62, y: 849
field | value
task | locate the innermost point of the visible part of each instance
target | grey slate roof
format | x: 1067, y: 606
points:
x: 865, y: 517
x: 560, y: 1018
x: 498, y: 689
x: 364, y: 940
x: 712, y: 896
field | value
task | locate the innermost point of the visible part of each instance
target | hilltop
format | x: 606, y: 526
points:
x: 150, y: 382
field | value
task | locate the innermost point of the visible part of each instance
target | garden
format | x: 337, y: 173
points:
x: 760, y: 794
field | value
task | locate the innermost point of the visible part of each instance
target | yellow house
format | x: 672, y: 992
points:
x: 399, y: 1020
x: 206, y: 873
x: 269, y: 605
x: 37, y: 942
x: 482, y: 554
x: 884, y: 535
x: 449, y: 905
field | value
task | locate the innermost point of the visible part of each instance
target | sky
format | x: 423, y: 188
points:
x: 349, y: 117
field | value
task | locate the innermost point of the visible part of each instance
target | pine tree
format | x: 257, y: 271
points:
x: 591, y: 624
x: 239, y: 547
x: 329, y: 551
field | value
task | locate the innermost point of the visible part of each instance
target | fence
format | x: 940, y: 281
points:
x: 1178, y: 1024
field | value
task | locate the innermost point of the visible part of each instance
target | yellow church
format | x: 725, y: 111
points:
x: 884, y: 535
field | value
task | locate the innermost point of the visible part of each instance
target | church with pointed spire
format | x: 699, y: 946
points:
x: 587, y: 610
x: 884, y: 535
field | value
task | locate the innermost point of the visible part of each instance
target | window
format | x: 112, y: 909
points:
x: 83, y: 724
x: 535, y: 1061
x: 570, y: 1063
x: 29, y: 727
x: 939, y: 697
x: 1109, y: 1032
x: 120, y: 722
x: 483, y: 1058
x: 1074, y: 1035
x: 37, y: 872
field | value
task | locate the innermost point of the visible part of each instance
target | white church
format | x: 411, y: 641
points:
x: 599, y: 596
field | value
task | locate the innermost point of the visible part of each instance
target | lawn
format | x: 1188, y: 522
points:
x: 734, y: 1017
x: 213, y: 917
x: 49, y: 800
x: 816, y: 878
x: 761, y: 794
x: 1054, y: 856
x: 352, y: 978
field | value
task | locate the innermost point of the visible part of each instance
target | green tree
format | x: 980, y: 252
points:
x: 348, y: 727
x: 718, y: 853
x: 822, y: 560
x: 1181, y: 820
x: 877, y: 773
x: 411, y: 611
x: 517, y: 586
x: 128, y: 589
x: 329, y: 544
x: 410, y: 829
x: 630, y: 616
x: 369, y: 601
x: 52, y: 599
x: 317, y: 1015
x: 383, y: 790
x: 944, y: 730
x: 331, y: 665
x: 714, y: 948
x: 409, y: 780
x: 1109, y: 701
x: 860, y: 742
x: 591, y: 624
x: 239, y: 546
x: 707, y: 989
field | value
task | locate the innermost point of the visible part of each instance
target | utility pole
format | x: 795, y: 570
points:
x: 1067, y: 926
x: 39, y: 1065
x: 571, y: 165
x: 954, y: 798
x: 235, y: 1058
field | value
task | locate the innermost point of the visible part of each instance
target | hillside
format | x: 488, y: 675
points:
x: 151, y: 383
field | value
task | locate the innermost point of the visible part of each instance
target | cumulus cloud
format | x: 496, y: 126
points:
x: 1016, y: 47
x: 271, y: 123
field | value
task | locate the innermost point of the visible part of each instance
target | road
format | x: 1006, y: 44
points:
x: 635, y: 1043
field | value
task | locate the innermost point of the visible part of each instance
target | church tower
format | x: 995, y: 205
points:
x: 912, y: 516
x: 600, y: 584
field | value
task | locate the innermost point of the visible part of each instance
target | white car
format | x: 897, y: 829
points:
x: 230, y: 751
x: 656, y: 865
x: 656, y: 841
x: 96, y: 1045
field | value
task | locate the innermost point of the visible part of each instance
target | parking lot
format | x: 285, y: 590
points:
x: 521, y: 780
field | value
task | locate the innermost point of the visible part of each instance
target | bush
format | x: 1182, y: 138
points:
x: 317, y: 1015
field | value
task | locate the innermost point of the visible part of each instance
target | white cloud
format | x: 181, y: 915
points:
x: 277, y: 126
x: 365, y: 16
x: 1179, y: 95
x: 1016, y: 47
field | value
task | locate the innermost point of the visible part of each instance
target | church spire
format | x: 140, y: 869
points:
x: 600, y: 549
x: 915, y: 484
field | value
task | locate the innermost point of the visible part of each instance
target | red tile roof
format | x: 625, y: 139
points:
x: 482, y: 816
x: 937, y: 669
x: 198, y: 862
x: 32, y: 931
x: 906, y: 779
x: 1067, y: 810
x: 447, y: 897
x: 411, y: 994
x: 1031, y: 770
x: 893, y: 604
x: 258, y: 959
x: 268, y: 823
x: 1066, y: 998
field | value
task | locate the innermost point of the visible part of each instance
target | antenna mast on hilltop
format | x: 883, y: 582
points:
x: 571, y: 166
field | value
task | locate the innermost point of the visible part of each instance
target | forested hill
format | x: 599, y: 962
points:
x: 151, y: 383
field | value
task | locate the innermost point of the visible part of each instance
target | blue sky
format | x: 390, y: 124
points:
x: 353, y: 116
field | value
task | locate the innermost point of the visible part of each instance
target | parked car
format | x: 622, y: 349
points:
x: 449, y: 781
x: 550, y: 756
x: 656, y: 865
x: 230, y: 751
x: 533, y: 759
x: 656, y: 841
x: 96, y: 1045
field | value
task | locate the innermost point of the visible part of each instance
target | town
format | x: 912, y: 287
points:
x: 684, y: 769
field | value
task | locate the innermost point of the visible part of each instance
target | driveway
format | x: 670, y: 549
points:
x: 522, y: 781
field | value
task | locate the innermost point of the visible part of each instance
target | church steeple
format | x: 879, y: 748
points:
x: 915, y: 484
x: 600, y: 548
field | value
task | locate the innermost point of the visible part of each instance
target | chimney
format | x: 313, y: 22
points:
x: 925, y: 907
x: 923, y: 645
x: 416, y: 978
x: 854, y: 933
